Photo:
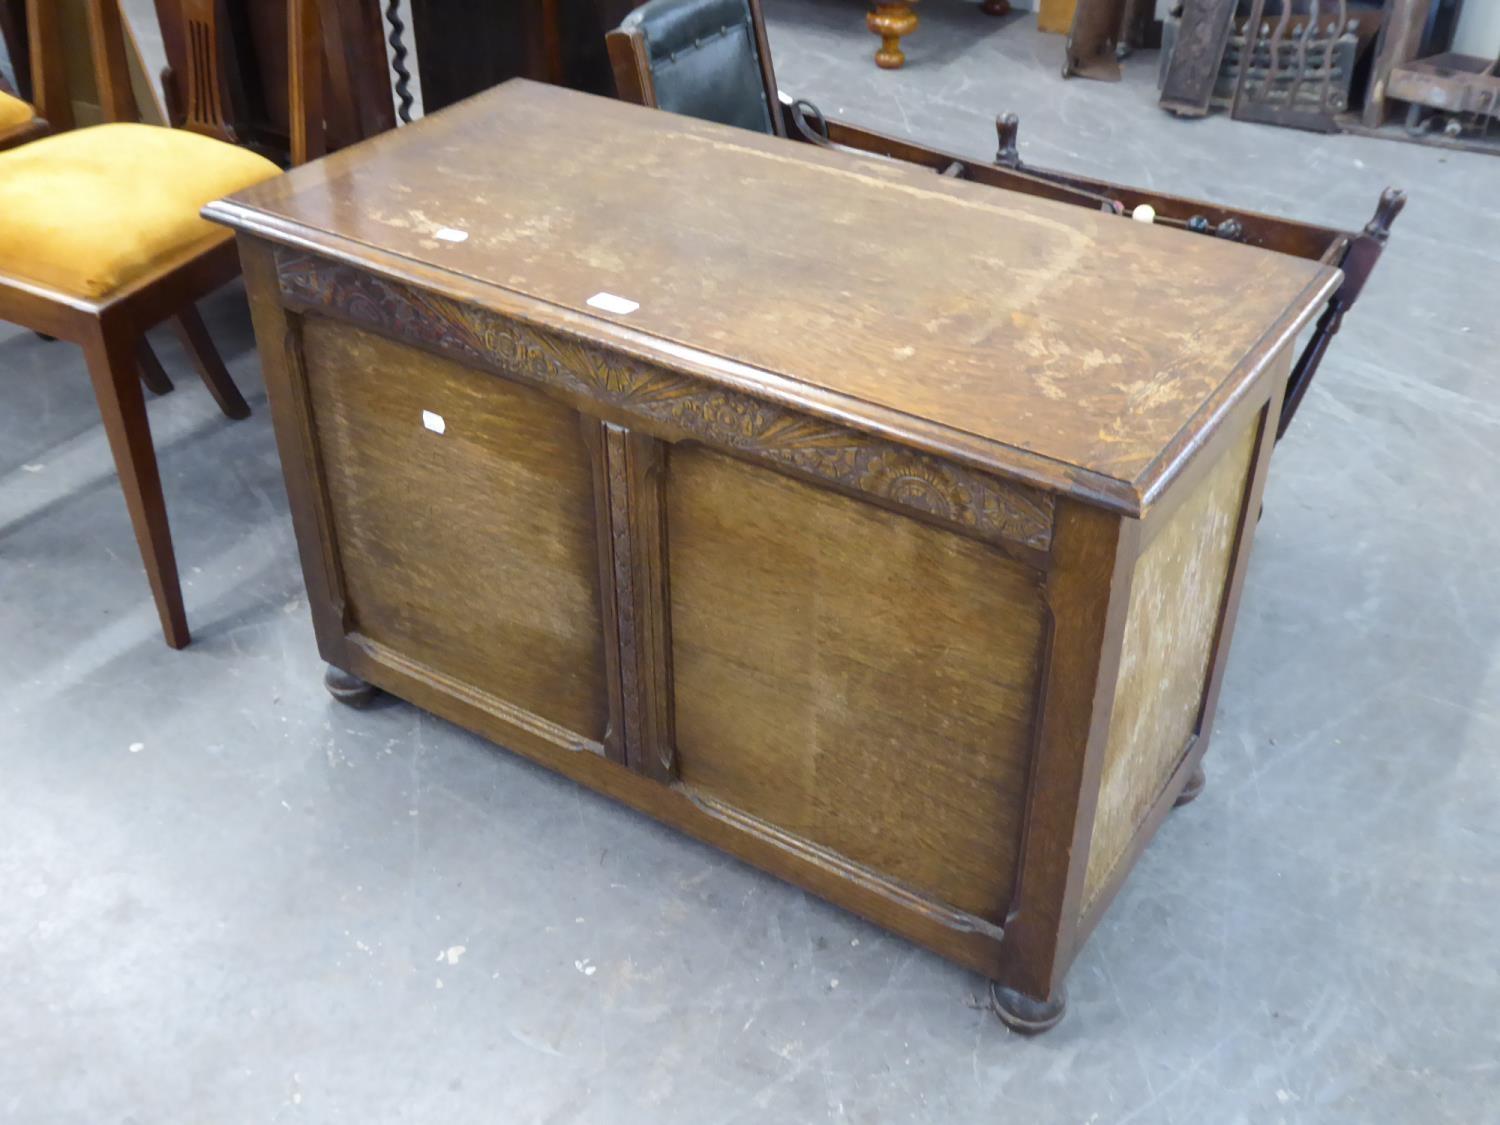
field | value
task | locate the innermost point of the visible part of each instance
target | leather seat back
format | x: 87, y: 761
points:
x: 704, y: 61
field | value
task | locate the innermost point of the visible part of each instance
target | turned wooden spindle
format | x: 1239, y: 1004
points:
x: 1392, y: 200
x: 1007, y: 127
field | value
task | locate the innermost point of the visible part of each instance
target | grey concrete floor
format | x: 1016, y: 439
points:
x: 229, y: 900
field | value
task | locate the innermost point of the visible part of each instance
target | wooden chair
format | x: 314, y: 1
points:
x: 101, y: 240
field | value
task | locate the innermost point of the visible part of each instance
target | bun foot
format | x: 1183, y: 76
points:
x: 1024, y: 1014
x: 348, y: 689
x: 1193, y: 787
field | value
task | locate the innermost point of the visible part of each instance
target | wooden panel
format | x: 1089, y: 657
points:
x: 1176, y: 600
x: 1194, y: 65
x: 1028, y: 335
x: 860, y: 679
x: 472, y: 552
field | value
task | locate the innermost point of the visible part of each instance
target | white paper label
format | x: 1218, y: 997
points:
x: 434, y: 422
x: 610, y: 303
x: 449, y: 234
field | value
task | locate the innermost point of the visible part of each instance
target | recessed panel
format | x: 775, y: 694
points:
x: 463, y: 509
x: 1176, y: 603
x: 859, y: 678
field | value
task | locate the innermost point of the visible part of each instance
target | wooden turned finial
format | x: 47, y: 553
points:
x: 1007, y: 127
x: 891, y: 20
x: 1391, y: 202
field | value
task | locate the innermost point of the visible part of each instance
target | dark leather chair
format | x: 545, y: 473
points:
x: 702, y: 58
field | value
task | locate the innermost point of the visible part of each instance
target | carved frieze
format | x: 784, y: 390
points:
x: 988, y: 507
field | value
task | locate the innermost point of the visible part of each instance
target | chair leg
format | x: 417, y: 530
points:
x: 153, y: 374
x: 112, y: 358
x: 195, y: 338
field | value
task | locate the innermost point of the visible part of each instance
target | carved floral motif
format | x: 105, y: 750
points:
x: 991, y: 508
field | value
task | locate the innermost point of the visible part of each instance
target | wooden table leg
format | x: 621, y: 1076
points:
x: 890, y: 20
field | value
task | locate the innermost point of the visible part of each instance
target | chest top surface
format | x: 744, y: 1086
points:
x: 1071, y: 348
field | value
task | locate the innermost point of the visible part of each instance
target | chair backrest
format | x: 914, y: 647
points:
x: 192, y: 26
x: 703, y: 58
x: 203, y: 84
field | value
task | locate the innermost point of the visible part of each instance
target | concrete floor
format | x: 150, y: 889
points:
x: 230, y: 900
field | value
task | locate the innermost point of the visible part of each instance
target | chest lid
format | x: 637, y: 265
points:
x: 1074, y: 350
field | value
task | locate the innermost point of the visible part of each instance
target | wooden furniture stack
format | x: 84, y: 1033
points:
x: 65, y: 82
x: 228, y: 72
x: 1457, y: 91
x: 909, y: 577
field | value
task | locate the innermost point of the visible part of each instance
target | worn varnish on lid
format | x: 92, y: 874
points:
x: 1079, y: 351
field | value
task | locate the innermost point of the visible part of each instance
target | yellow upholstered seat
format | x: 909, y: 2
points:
x: 14, y: 112
x: 90, y: 211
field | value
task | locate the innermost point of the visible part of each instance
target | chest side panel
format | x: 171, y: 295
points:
x: 1176, y: 601
x: 463, y: 510
x: 858, y: 678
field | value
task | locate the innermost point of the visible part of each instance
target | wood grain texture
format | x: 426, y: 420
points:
x: 1176, y: 603
x: 863, y: 681
x: 1020, y: 333
x: 990, y: 508
x: 472, y: 551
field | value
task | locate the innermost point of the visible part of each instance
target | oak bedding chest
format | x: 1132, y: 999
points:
x: 883, y: 530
